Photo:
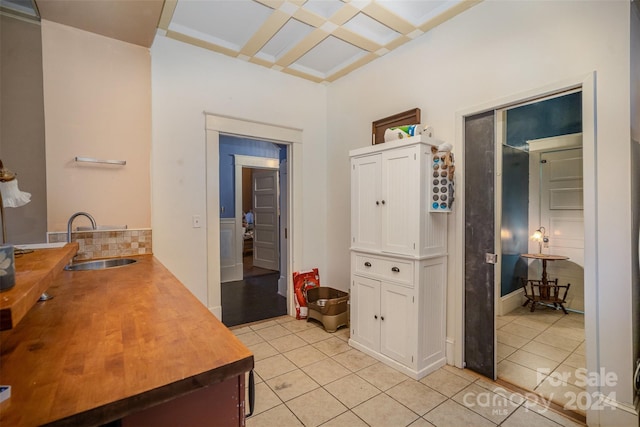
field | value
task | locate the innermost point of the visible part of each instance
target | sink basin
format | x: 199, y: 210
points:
x: 100, y: 264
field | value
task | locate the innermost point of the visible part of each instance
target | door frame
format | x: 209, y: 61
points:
x: 214, y: 126
x: 587, y: 84
x: 251, y: 162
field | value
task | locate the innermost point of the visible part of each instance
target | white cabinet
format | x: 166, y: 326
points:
x: 385, y: 206
x: 383, y: 312
x: 390, y: 200
x: 398, y: 257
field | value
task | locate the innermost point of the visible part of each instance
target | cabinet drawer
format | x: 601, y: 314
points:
x: 394, y: 270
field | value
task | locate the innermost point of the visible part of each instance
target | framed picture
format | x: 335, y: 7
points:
x: 409, y: 117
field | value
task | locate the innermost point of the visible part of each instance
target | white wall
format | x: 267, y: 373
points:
x: 635, y: 168
x: 97, y: 103
x: 187, y: 81
x: 492, y: 51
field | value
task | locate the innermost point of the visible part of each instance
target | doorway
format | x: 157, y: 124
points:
x: 503, y: 241
x: 538, y: 344
x: 250, y: 206
x: 216, y: 127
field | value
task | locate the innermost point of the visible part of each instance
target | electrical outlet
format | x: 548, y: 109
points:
x: 197, y: 222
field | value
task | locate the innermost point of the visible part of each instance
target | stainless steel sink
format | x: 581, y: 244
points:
x: 100, y: 264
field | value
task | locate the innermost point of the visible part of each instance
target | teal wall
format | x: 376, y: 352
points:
x: 553, y: 117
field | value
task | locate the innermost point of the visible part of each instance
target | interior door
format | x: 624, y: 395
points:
x: 284, y: 195
x: 562, y: 214
x: 479, y: 280
x: 265, y: 212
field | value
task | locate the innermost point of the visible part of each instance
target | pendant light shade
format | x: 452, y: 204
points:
x: 12, y: 197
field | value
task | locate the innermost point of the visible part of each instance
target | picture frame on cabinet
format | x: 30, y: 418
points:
x: 409, y: 117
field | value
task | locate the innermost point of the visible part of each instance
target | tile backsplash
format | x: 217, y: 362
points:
x: 108, y: 243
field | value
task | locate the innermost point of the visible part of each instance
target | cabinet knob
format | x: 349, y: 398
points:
x: 395, y: 269
x: 381, y: 317
x: 375, y: 316
x: 367, y: 264
x: 383, y: 202
x: 377, y: 203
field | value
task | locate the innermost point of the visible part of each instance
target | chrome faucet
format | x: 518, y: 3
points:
x: 70, y: 222
x: 46, y: 296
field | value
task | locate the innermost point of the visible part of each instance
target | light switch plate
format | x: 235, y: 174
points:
x: 197, y: 222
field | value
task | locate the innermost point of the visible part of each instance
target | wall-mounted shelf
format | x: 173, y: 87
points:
x: 92, y: 160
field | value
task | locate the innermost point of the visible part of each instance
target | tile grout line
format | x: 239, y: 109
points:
x: 318, y: 386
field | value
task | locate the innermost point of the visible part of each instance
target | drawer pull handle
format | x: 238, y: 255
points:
x: 252, y: 394
x: 367, y: 264
x: 395, y: 269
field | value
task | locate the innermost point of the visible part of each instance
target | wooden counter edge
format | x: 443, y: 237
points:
x: 121, y: 408
x: 10, y: 316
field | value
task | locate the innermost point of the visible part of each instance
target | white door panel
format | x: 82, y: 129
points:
x: 365, y: 314
x: 396, y: 312
x: 561, y: 213
x: 400, y: 200
x: 365, y: 205
x: 265, y: 210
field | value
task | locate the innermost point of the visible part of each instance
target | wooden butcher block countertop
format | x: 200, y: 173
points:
x: 35, y: 272
x: 111, y: 343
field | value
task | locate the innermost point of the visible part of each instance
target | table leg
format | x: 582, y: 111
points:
x: 544, y: 290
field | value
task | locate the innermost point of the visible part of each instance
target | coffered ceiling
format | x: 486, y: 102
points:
x: 319, y: 40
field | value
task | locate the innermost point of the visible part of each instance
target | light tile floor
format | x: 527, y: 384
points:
x: 308, y: 377
x: 543, y: 351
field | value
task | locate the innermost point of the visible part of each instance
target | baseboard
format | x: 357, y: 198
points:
x: 612, y: 413
x: 217, y: 311
x: 416, y: 375
x: 231, y: 273
x: 510, y: 302
x: 282, y: 286
x: 449, y: 351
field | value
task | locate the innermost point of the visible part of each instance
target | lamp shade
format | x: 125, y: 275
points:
x: 12, y: 197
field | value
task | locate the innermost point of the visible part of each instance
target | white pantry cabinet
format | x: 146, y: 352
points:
x: 398, y: 257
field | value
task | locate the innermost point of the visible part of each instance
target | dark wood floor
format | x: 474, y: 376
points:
x: 253, y: 298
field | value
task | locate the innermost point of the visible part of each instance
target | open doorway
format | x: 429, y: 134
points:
x: 539, y: 327
x: 481, y: 274
x: 251, y: 203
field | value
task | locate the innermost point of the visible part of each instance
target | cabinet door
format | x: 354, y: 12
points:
x: 365, y: 312
x: 396, y: 323
x: 365, y: 201
x: 401, y: 200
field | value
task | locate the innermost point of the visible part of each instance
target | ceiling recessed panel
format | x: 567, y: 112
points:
x: 320, y: 40
x: 417, y: 12
x: 285, y: 39
x: 324, y: 8
x: 230, y: 23
x: 328, y: 57
x: 371, y: 29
